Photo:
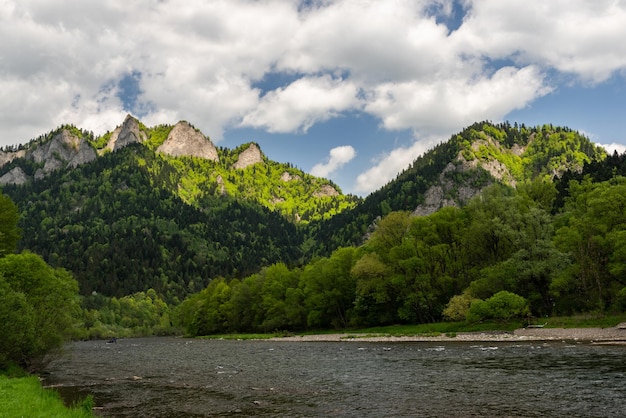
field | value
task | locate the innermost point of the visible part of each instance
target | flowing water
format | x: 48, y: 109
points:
x: 175, y: 377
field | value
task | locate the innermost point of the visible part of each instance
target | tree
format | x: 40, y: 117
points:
x: 9, y: 232
x: 502, y: 305
x: 46, y: 300
x: 593, y: 231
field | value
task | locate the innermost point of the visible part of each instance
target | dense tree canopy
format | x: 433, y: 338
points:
x: 502, y: 256
x: 9, y: 232
x: 258, y: 252
x: 38, y: 304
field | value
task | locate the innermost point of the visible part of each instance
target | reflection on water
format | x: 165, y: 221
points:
x: 173, y: 377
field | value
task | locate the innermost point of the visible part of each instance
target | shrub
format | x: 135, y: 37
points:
x: 502, y: 305
x: 458, y: 307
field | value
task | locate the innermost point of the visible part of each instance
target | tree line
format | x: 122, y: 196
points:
x: 505, y: 254
x: 38, y: 303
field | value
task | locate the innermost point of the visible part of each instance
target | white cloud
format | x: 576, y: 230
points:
x: 390, y: 165
x: 574, y: 36
x: 339, y: 156
x: 204, y: 62
x: 448, y: 105
x: 610, y: 148
x: 303, y: 103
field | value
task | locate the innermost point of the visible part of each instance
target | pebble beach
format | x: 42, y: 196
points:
x: 612, y: 335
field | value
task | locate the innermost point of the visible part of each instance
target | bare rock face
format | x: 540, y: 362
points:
x: 447, y: 192
x: 220, y: 183
x: 7, y: 157
x: 15, y: 176
x: 252, y: 155
x: 286, y: 176
x: 126, y: 134
x: 326, y: 190
x: 64, y: 149
x: 184, y: 140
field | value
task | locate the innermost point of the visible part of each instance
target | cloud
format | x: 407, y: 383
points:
x: 387, y: 167
x: 572, y: 36
x: 69, y: 61
x: 447, y: 105
x: 610, y: 148
x: 338, y: 157
x: 303, y: 103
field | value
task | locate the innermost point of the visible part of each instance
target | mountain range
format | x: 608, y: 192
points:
x: 164, y: 208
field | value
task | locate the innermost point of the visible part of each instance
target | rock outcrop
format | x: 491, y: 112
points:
x: 64, y: 149
x: 185, y: 140
x: 8, y: 156
x: 286, y: 176
x: 15, y: 176
x: 448, y: 192
x: 126, y: 134
x: 250, y: 156
x: 326, y: 190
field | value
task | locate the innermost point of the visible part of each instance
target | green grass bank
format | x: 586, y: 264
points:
x: 25, y: 397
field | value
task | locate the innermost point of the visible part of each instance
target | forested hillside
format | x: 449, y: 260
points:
x: 509, y: 253
x: 119, y: 233
x: 146, y: 215
x: 456, y: 170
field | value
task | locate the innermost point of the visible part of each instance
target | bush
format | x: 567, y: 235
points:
x: 458, y: 307
x: 502, y: 305
x: 38, y: 305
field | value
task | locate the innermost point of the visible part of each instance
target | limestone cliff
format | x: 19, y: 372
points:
x: 250, y: 156
x: 126, y: 134
x: 64, y: 149
x: 15, y: 176
x: 185, y: 140
x: 8, y: 156
x: 326, y: 190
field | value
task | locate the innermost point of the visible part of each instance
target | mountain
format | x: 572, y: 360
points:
x: 160, y: 208
x: 163, y: 208
x: 454, y: 171
x: 188, y: 163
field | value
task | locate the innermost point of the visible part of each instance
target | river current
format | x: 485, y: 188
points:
x: 176, y: 377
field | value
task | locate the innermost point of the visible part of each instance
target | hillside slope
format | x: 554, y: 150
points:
x: 160, y: 207
x: 453, y: 172
x: 187, y: 163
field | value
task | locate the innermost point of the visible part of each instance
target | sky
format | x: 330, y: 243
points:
x: 351, y: 90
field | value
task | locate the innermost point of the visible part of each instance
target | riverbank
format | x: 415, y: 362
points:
x: 610, y: 335
x: 24, y: 397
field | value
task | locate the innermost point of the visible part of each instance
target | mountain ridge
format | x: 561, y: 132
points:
x: 147, y: 219
x: 68, y: 147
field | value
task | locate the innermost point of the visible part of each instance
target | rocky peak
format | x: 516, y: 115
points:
x: 250, y: 156
x: 185, y: 140
x: 326, y: 190
x: 126, y: 134
x: 64, y: 149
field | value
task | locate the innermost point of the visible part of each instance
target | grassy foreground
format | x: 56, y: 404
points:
x: 24, y: 397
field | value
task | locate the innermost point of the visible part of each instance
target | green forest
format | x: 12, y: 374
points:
x: 504, y: 255
x: 157, y: 244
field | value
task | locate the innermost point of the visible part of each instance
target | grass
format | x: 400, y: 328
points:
x: 24, y: 397
x: 588, y: 320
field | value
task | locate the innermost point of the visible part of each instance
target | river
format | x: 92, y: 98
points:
x: 177, y: 377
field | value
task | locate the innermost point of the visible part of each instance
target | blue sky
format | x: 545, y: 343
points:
x: 352, y: 90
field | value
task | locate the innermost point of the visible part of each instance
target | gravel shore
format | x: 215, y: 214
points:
x: 613, y: 335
